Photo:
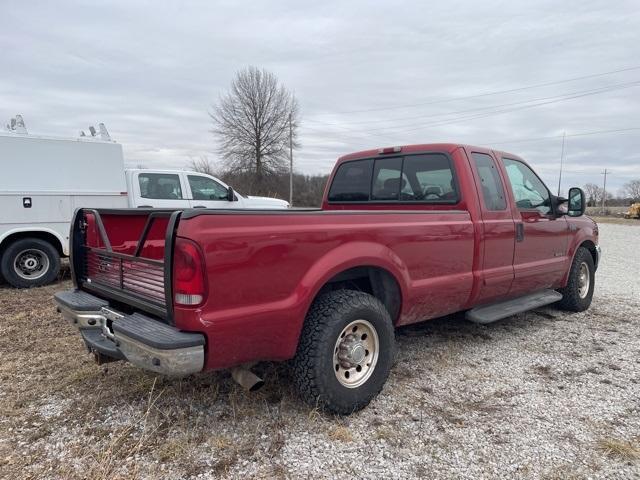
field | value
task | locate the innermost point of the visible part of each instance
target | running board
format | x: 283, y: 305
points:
x: 498, y: 311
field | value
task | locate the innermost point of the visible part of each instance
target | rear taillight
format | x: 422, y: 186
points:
x: 189, y: 287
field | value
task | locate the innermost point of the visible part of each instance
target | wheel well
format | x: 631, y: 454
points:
x: 46, y: 236
x: 373, y: 280
x: 589, y: 245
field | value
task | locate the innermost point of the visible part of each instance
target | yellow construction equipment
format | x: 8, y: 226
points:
x: 634, y: 211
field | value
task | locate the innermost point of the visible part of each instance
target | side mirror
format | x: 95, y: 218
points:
x: 231, y: 197
x: 576, y: 203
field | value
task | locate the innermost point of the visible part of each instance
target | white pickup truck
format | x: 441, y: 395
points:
x: 43, y: 180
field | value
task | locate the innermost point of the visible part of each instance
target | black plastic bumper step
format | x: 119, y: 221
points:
x: 155, y: 333
x: 498, y: 311
x: 80, y: 301
x: 95, y: 341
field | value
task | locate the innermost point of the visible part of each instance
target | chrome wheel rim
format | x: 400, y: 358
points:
x: 584, y: 280
x: 356, y: 353
x: 31, y: 264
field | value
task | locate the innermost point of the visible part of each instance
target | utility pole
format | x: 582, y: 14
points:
x: 564, y: 134
x: 290, y: 162
x: 604, y: 189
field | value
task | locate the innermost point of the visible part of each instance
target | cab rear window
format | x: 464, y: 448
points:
x: 423, y: 178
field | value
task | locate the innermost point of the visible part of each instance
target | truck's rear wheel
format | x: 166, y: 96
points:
x: 345, y: 351
x: 577, y: 295
x: 30, y: 262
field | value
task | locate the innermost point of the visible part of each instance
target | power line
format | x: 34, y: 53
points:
x: 491, y: 144
x: 585, y: 134
x: 499, y: 92
x: 490, y: 107
x: 498, y: 110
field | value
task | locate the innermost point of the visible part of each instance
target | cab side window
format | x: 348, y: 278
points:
x: 430, y: 179
x: 492, y: 191
x: 352, y: 182
x: 160, y: 186
x: 528, y: 190
x: 204, y: 188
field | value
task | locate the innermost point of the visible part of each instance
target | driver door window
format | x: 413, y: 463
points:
x: 204, y: 188
x: 528, y: 190
x: 207, y: 193
x: 541, y: 241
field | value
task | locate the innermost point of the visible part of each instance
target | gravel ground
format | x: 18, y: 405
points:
x: 540, y: 395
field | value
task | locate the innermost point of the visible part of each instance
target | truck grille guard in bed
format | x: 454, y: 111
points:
x: 142, y: 283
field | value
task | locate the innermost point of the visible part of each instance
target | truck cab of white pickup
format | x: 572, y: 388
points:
x: 185, y: 189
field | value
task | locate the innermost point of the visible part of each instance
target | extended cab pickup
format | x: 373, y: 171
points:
x: 404, y: 234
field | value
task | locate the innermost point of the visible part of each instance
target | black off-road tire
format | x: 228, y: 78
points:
x: 48, y: 275
x: 571, y: 299
x: 314, y: 371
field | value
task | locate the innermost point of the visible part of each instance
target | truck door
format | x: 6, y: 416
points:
x: 205, y: 192
x: 539, y: 259
x: 159, y: 190
x: 498, y: 229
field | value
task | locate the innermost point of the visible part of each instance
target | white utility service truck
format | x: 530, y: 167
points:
x: 43, y: 180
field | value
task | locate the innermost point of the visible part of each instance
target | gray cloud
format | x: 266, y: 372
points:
x: 151, y: 71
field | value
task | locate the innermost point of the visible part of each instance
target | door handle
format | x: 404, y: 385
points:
x: 519, y: 232
x: 199, y: 206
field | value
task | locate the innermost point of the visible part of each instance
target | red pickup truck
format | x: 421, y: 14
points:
x: 404, y: 234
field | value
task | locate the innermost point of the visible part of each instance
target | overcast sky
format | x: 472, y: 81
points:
x: 366, y: 74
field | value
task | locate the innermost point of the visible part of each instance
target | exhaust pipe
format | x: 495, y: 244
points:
x: 246, y: 378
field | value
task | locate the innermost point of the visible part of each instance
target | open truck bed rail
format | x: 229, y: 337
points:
x: 128, y: 263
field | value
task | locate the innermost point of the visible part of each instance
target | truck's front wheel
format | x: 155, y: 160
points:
x: 30, y: 262
x: 577, y: 295
x: 345, y: 351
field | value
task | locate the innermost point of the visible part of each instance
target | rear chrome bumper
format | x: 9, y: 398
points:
x: 141, y: 340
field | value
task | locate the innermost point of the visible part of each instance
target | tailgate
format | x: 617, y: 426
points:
x: 125, y: 256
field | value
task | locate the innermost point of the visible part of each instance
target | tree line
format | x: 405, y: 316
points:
x: 629, y: 193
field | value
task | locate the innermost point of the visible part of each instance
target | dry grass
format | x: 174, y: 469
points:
x: 340, y: 433
x: 621, y: 449
x: 386, y: 433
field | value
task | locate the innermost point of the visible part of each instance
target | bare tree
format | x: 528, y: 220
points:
x: 201, y: 164
x: 632, y: 189
x: 592, y: 192
x: 252, y: 123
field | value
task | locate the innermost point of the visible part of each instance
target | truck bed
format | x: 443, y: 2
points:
x: 120, y: 255
x: 264, y: 266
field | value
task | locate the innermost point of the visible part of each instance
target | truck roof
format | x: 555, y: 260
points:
x: 29, y: 136
x: 416, y: 148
